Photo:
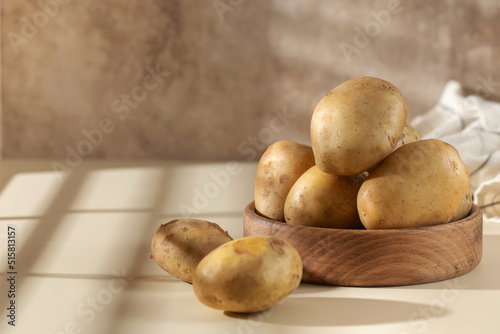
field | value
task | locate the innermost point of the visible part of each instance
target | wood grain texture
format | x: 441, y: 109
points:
x: 379, y: 257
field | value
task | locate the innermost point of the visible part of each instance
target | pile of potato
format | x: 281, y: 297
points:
x: 366, y: 167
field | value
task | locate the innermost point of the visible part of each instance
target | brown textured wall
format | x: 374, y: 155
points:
x: 220, y: 79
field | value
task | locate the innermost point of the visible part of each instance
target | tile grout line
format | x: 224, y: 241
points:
x: 162, y: 278
x: 162, y: 215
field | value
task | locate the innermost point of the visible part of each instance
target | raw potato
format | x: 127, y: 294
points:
x: 324, y: 200
x: 420, y: 184
x: 179, y: 245
x: 279, y: 167
x: 464, y: 209
x: 409, y: 135
x: 248, y: 275
x: 356, y: 125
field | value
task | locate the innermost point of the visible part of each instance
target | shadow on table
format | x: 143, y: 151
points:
x: 325, y: 311
x: 312, y: 288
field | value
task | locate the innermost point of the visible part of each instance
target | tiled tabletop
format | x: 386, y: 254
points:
x: 82, y: 260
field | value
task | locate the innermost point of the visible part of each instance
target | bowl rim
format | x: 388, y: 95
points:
x: 473, y: 213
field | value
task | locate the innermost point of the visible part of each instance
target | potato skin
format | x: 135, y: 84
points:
x: 356, y: 125
x: 246, y: 275
x: 324, y: 200
x: 279, y: 167
x: 179, y: 245
x: 409, y: 135
x: 420, y: 184
x: 464, y: 208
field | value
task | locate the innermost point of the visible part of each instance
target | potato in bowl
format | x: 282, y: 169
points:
x: 420, y: 184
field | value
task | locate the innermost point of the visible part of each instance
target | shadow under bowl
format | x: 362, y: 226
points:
x: 390, y: 257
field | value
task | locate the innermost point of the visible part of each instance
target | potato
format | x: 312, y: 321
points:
x: 409, y: 135
x: 420, y: 184
x: 179, y: 245
x: 356, y: 125
x: 324, y: 200
x: 279, y: 167
x: 248, y: 275
x: 464, y: 209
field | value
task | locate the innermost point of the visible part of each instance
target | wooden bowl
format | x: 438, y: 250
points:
x: 379, y: 257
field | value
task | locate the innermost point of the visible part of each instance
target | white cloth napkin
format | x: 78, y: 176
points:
x: 472, y: 125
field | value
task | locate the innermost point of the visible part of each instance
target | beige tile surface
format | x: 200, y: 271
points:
x: 96, y: 244
x: 204, y: 79
x: 44, y: 186
x: 82, y: 252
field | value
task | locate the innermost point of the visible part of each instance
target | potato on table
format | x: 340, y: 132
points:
x: 419, y: 184
x: 246, y: 275
x: 356, y: 125
x: 279, y: 167
x: 179, y: 245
